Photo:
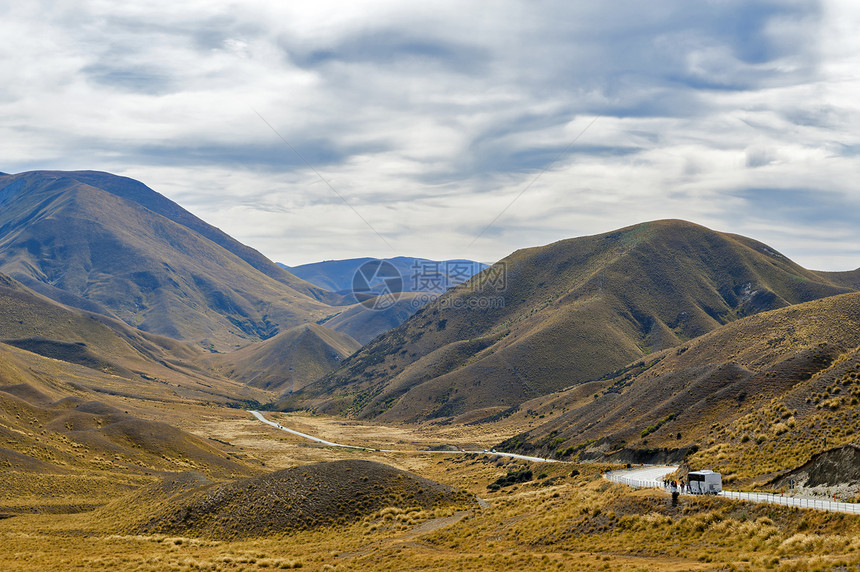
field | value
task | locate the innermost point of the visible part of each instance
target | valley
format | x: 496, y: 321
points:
x: 136, y: 340
x: 554, y: 521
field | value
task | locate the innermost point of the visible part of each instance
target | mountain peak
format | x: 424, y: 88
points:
x: 111, y: 244
x: 567, y: 313
x: 290, y: 360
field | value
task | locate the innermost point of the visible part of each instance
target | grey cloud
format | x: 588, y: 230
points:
x: 759, y: 157
x: 390, y: 47
x: 800, y: 206
x: 274, y: 157
x: 133, y: 79
x: 202, y: 32
x: 848, y: 150
x: 821, y: 115
x: 653, y: 41
x: 422, y: 114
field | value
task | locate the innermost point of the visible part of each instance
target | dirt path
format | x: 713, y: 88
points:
x: 432, y: 525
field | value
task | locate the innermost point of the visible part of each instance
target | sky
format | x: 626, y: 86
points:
x: 327, y: 130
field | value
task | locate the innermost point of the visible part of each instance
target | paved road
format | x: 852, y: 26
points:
x: 260, y: 416
x: 651, y: 474
x: 651, y: 477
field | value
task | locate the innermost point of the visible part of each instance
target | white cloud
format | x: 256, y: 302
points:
x: 429, y: 118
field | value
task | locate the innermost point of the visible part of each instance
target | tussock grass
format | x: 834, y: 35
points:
x: 562, y: 522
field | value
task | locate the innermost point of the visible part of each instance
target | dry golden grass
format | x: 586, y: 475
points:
x: 556, y: 522
x: 581, y: 523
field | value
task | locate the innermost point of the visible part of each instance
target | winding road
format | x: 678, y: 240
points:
x: 260, y: 416
x: 650, y: 476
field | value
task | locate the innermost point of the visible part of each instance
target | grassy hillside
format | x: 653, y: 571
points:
x: 31, y: 321
x: 752, y: 399
x: 560, y: 315
x: 850, y: 279
x: 65, y: 448
x: 105, y: 354
x: 290, y: 360
x: 83, y: 399
x: 112, y: 245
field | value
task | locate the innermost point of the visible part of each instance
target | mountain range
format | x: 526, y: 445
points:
x: 148, y: 283
x: 113, y: 246
x: 413, y: 283
x: 134, y: 338
x: 557, y: 316
x: 124, y: 254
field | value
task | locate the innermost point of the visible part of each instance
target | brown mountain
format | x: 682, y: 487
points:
x: 560, y: 315
x: 850, y: 279
x: 112, y: 245
x: 106, y: 355
x: 756, y: 397
x: 290, y: 360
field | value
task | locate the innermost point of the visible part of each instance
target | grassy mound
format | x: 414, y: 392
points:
x: 298, y: 498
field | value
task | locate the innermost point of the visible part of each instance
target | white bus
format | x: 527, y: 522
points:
x: 705, y: 482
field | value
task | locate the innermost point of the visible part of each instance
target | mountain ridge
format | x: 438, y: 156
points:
x: 139, y: 193
x: 75, y: 242
x: 572, y: 312
x: 784, y: 379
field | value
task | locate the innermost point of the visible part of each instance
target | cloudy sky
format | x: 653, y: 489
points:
x: 322, y: 130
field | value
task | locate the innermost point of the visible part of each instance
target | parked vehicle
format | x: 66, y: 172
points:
x: 705, y: 482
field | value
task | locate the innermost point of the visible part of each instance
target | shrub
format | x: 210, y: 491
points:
x: 512, y: 478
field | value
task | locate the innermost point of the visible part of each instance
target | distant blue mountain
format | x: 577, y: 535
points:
x: 417, y: 274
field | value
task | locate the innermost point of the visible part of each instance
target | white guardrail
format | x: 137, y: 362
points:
x: 800, y: 502
x: 635, y: 483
